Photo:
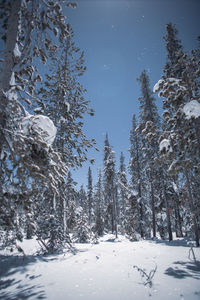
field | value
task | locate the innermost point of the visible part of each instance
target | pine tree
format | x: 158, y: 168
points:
x: 36, y: 34
x: 174, y: 51
x: 99, y: 221
x: 135, y: 169
x: 62, y: 98
x: 26, y: 149
x: 110, y: 188
x: 82, y: 198
x: 90, y: 197
x: 180, y: 144
x: 82, y: 231
x: 123, y: 191
x: 148, y: 125
x: 70, y: 198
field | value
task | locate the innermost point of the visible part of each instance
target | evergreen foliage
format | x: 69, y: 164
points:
x: 42, y: 109
x: 34, y: 160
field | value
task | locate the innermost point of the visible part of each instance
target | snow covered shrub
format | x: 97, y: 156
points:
x: 49, y: 234
x: 82, y: 232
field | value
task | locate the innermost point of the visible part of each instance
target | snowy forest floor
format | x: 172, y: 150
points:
x: 104, y: 271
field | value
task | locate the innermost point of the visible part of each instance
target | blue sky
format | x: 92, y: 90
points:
x: 121, y: 38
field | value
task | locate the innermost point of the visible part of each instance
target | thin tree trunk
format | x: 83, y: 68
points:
x: 139, y: 188
x: 8, y: 64
x: 140, y: 211
x: 115, y: 214
x: 54, y: 202
x: 178, y: 223
x: 169, y: 226
x: 64, y: 217
x: 153, y: 210
x: 191, y: 204
x: 7, y: 69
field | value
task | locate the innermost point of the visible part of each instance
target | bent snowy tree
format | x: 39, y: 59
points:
x: 32, y: 31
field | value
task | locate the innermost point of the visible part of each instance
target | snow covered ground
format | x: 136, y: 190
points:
x: 103, y: 271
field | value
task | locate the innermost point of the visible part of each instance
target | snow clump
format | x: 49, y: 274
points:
x: 12, y: 79
x: 165, y: 146
x: 192, y: 109
x: 40, y: 125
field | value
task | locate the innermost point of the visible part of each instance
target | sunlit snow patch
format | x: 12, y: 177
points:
x: 41, y: 126
x: 192, y: 109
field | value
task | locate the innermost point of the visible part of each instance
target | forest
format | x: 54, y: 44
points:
x: 42, y: 112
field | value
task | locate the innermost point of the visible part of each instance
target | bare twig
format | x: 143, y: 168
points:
x: 146, y: 278
x: 191, y: 251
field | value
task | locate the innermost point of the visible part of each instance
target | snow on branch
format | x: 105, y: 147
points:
x: 16, y: 51
x: 162, y: 85
x: 157, y: 86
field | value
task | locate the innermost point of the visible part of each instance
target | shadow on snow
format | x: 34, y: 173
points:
x: 14, y: 289
x: 188, y: 269
x: 182, y: 242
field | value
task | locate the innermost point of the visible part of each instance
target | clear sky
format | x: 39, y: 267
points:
x: 121, y: 38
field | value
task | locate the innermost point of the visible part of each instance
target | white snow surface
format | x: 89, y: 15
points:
x: 103, y: 271
x: 165, y: 144
x: 192, y: 109
x: 41, y: 125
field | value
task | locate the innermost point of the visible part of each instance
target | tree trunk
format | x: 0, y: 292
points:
x: 8, y: 64
x: 153, y: 211
x: 11, y: 38
x: 64, y: 217
x: 178, y: 222
x: 192, y: 208
x: 141, y: 211
x: 54, y: 202
x: 115, y: 213
x: 7, y: 69
x: 169, y: 226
